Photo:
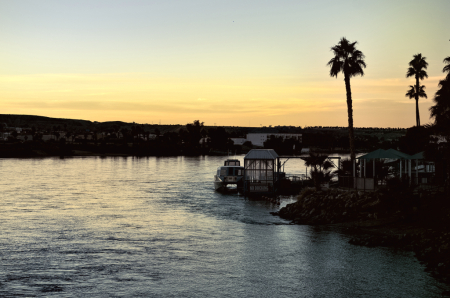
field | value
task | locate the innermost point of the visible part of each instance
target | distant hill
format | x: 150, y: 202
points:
x: 48, y: 123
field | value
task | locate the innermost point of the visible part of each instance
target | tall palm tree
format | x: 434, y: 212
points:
x: 413, y: 92
x: 350, y: 61
x: 416, y: 69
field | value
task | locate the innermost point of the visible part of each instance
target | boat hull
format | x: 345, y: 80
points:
x: 222, y: 184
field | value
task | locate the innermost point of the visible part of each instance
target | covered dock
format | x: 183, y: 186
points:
x: 261, y: 171
x: 405, y: 165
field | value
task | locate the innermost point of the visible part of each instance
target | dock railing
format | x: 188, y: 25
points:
x: 359, y: 183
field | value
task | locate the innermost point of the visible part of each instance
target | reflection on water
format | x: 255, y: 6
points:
x: 105, y: 227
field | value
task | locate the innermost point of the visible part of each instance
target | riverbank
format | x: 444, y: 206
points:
x: 415, y: 220
x: 30, y: 149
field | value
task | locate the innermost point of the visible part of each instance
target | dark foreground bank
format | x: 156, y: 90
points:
x: 415, y: 220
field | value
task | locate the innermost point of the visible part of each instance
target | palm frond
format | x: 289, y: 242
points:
x: 417, y: 67
x: 347, y: 59
x: 414, y: 91
x: 447, y: 67
x: 411, y: 93
x: 422, y: 74
x: 410, y: 72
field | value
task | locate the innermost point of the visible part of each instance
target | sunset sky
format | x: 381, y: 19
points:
x: 242, y: 63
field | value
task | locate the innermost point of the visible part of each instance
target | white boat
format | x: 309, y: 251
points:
x: 230, y: 173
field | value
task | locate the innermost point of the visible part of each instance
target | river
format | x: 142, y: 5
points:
x: 155, y: 227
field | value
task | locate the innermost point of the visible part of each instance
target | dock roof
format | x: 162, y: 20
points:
x: 261, y: 154
x: 418, y: 155
x: 390, y: 153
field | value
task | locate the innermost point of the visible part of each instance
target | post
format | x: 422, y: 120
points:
x: 354, y: 173
x: 374, y: 168
x: 417, y: 171
x: 409, y: 171
x: 339, y: 166
x: 401, y: 170
x: 364, y: 168
x: 360, y: 169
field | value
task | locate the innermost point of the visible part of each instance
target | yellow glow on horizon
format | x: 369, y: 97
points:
x: 145, y: 98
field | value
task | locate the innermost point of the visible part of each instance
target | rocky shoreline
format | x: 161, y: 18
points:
x: 415, y: 220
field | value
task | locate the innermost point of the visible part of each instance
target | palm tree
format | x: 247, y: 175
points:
x: 416, y: 69
x: 350, y: 61
x: 320, y: 168
x: 414, y: 93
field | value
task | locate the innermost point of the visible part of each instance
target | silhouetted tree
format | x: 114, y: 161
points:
x: 320, y: 168
x: 195, y: 132
x: 219, y: 137
x: 416, y: 69
x: 350, y: 61
x: 415, y: 140
x: 440, y: 112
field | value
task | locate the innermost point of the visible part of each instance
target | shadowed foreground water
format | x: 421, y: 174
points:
x: 154, y: 227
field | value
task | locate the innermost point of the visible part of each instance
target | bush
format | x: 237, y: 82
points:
x: 398, y: 184
x: 305, y: 192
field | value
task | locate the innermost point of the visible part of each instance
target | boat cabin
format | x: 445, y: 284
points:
x: 230, y: 173
x: 232, y: 162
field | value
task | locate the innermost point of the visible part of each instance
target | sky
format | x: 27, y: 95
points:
x: 227, y: 63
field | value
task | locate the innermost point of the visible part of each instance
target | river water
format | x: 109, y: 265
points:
x: 155, y: 227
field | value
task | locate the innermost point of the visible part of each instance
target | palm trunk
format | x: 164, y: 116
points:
x: 350, y: 117
x: 417, y: 112
x: 417, y: 102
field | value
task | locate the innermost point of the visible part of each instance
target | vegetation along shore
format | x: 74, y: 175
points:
x: 35, y: 136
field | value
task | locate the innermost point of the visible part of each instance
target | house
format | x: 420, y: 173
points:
x: 258, y: 139
x: 238, y: 141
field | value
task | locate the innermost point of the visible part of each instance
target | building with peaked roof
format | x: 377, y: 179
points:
x: 261, y: 171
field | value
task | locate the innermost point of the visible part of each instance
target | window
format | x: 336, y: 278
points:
x: 260, y: 171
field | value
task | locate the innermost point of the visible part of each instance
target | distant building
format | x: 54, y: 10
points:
x: 238, y: 141
x: 258, y: 139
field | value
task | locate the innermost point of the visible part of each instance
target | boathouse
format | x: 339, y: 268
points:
x: 261, y: 168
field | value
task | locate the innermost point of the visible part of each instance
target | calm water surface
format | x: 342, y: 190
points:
x: 154, y: 227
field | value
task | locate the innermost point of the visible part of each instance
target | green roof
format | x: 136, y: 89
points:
x: 261, y: 154
x: 390, y: 153
x: 418, y: 156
